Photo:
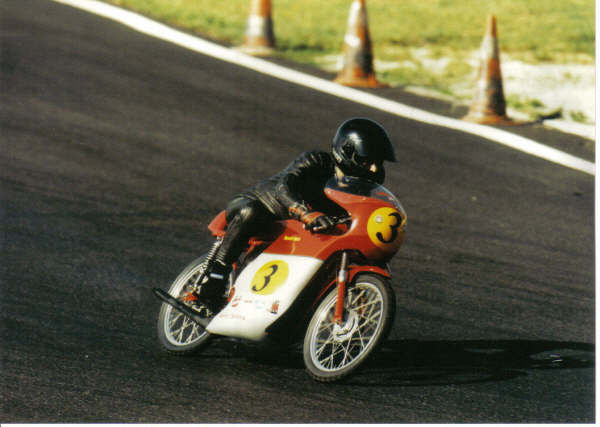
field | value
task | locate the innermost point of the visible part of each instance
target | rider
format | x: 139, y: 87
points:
x: 359, y: 149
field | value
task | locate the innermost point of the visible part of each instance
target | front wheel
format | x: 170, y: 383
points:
x: 332, y: 351
x: 177, y: 332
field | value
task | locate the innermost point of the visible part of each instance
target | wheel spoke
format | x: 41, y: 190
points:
x: 180, y: 330
x: 353, y: 298
x: 326, y: 326
x: 173, y: 317
x: 368, y: 305
x: 335, y: 348
x: 193, y: 334
x: 372, y: 318
x: 325, y: 329
x: 321, y: 348
x: 185, y: 328
x: 347, y: 353
x: 361, y: 340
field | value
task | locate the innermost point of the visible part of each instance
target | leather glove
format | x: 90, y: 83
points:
x: 317, y: 222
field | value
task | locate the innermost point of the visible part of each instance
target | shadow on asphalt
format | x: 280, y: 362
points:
x: 418, y: 363
x: 421, y: 363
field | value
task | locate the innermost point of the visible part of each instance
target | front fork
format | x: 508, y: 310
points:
x: 342, y: 278
x: 345, y: 275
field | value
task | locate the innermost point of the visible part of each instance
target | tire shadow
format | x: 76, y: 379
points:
x: 431, y: 363
x: 419, y: 363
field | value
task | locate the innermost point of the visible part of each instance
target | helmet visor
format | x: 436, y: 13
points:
x: 368, y: 168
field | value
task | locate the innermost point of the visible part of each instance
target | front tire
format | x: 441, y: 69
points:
x: 177, y: 332
x: 333, y: 351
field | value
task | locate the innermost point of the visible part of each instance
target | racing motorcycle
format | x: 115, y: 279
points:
x: 330, y: 289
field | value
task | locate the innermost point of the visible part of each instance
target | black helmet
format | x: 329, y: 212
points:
x: 360, y: 143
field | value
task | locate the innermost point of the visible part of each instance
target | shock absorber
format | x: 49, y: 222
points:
x: 210, y: 258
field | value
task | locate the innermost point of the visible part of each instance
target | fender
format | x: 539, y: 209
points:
x: 353, y: 270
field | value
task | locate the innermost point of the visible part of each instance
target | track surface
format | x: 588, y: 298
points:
x: 118, y: 149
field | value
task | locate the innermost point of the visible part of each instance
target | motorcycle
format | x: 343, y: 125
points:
x: 332, y: 287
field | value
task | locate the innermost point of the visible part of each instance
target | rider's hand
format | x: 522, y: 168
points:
x: 318, y: 222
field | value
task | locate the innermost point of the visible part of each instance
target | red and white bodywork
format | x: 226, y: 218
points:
x: 267, y: 286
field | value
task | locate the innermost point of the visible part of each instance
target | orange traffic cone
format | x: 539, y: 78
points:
x: 489, y: 105
x: 357, y: 69
x: 259, y: 39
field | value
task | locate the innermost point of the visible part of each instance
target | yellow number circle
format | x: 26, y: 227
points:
x: 269, y: 277
x: 385, y: 228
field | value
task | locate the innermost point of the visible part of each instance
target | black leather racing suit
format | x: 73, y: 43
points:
x: 291, y: 193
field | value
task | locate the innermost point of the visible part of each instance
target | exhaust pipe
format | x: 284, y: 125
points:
x: 181, y: 307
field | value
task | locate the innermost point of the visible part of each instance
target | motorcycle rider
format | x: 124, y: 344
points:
x: 360, y: 146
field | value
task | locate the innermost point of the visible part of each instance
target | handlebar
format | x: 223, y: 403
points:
x: 338, y: 220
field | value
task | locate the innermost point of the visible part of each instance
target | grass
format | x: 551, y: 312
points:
x: 538, y: 30
x: 579, y: 116
x: 410, y: 33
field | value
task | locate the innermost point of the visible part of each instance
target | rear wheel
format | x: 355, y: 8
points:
x: 176, y: 331
x: 332, y: 351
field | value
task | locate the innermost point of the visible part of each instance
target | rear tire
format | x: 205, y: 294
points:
x: 331, y: 351
x: 177, y: 333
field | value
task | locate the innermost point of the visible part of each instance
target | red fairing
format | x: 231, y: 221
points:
x: 377, y: 230
x: 218, y: 224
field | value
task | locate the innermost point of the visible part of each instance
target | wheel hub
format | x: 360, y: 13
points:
x: 343, y: 332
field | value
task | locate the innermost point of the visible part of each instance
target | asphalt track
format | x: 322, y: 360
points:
x: 118, y: 149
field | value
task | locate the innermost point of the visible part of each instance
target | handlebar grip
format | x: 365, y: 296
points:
x: 337, y: 221
x: 314, y: 229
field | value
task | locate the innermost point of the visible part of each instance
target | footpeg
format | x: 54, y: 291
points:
x: 181, y: 307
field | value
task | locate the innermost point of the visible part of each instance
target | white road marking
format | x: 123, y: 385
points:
x: 160, y: 31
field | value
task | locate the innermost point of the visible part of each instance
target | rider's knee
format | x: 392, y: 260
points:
x: 243, y: 210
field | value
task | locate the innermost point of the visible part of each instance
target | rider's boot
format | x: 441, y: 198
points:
x: 212, y: 292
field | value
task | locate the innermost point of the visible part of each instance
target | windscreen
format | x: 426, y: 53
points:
x: 362, y: 187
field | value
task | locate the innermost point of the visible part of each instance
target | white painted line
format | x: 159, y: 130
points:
x: 160, y: 31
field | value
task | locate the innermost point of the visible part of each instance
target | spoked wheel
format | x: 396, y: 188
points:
x: 331, y: 350
x: 176, y: 331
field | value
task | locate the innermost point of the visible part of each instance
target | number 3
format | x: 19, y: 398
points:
x: 393, y: 228
x: 267, y: 278
x: 385, y: 228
